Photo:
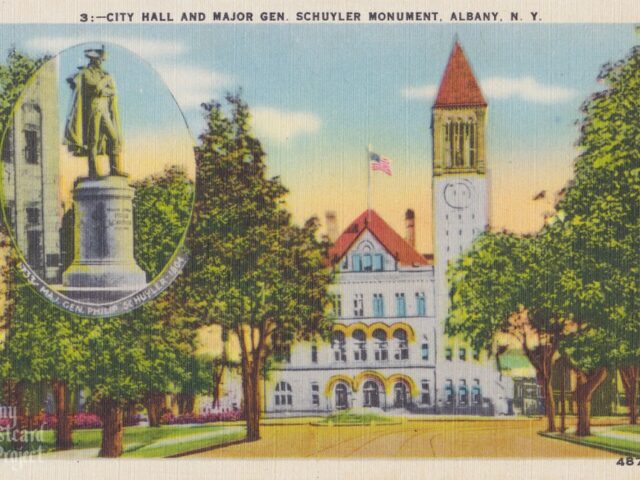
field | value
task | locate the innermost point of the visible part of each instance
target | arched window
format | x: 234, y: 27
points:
x: 381, y: 352
x: 371, y: 393
x: 342, y: 396
x: 360, y: 352
x: 284, y: 395
x: 461, y: 143
x: 403, y: 348
x: 380, y: 335
x: 401, y: 397
x: 338, y: 346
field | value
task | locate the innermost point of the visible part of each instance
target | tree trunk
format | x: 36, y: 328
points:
x: 251, y: 397
x: 111, y: 414
x: 186, y: 403
x: 542, y: 360
x: 130, y: 414
x: 154, y: 403
x: 629, y: 376
x: 64, y: 426
x: 563, y: 407
x: 587, y: 383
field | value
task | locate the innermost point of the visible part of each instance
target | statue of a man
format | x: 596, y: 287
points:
x: 93, y: 126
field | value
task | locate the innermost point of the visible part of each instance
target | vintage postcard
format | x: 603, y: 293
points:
x: 314, y: 239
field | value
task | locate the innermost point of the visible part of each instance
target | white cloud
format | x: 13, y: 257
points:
x: 145, y: 48
x: 497, y: 88
x: 526, y: 88
x: 193, y: 85
x: 280, y: 125
x: 424, y: 92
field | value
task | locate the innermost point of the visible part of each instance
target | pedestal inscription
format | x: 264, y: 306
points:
x: 104, y: 268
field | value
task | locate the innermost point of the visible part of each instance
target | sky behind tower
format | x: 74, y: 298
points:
x: 321, y: 93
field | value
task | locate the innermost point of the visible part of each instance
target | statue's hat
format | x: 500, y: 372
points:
x: 96, y: 53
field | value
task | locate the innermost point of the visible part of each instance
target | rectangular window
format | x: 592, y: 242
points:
x: 401, y: 305
x: 382, y: 354
x: 34, y: 248
x: 448, y: 391
x: 462, y: 354
x: 425, y: 397
x: 31, y: 146
x: 10, y: 212
x: 425, y: 351
x: 378, y: 262
x: 357, y: 262
x: 314, y: 354
x: 315, y: 394
x: 7, y: 148
x: 282, y: 354
x: 462, y: 393
x: 421, y: 304
x: 53, y: 260
x: 448, y: 353
x: 476, y: 355
x: 476, y: 394
x: 367, y: 263
x: 378, y: 305
x: 337, y: 305
x: 358, y: 305
x: 33, y: 215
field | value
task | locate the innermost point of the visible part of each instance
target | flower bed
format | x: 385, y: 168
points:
x: 47, y: 421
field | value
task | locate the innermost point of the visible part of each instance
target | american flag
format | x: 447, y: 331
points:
x: 380, y: 162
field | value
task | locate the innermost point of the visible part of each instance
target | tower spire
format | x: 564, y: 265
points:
x: 458, y: 87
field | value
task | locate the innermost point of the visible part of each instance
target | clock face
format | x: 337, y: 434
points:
x: 458, y: 195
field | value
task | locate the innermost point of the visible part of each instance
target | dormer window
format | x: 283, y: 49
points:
x: 378, y: 262
x: 367, y: 262
x: 357, y: 262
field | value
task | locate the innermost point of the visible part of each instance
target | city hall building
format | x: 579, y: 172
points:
x: 388, y: 349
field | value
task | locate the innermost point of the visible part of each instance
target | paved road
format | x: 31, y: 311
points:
x: 419, y: 439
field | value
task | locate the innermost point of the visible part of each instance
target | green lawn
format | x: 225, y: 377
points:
x: 628, y: 428
x: 626, y: 443
x: 148, y: 442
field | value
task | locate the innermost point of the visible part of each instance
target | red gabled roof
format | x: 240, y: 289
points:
x: 459, y: 87
x: 397, y: 246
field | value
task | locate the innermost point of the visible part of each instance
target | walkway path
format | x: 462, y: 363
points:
x: 494, y: 439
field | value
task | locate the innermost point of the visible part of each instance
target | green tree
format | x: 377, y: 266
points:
x: 601, y: 221
x: 198, y: 380
x: 26, y: 314
x: 506, y: 284
x: 251, y: 271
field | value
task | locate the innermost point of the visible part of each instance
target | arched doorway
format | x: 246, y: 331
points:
x: 371, y: 393
x: 401, y: 397
x: 342, y: 396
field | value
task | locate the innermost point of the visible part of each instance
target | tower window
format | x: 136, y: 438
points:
x: 31, y: 146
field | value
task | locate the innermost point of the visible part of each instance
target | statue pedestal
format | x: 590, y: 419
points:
x: 103, y: 269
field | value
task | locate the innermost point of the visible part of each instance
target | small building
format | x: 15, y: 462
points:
x: 30, y: 160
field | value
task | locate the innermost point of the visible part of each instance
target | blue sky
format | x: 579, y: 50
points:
x: 321, y: 93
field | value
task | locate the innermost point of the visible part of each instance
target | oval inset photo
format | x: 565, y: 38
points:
x: 98, y: 180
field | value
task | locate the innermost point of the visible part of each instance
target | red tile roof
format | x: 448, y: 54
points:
x: 404, y: 253
x: 459, y: 87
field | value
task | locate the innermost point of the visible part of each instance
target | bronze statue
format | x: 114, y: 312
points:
x: 93, y: 126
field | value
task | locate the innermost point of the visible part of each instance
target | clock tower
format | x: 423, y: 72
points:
x: 460, y: 190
